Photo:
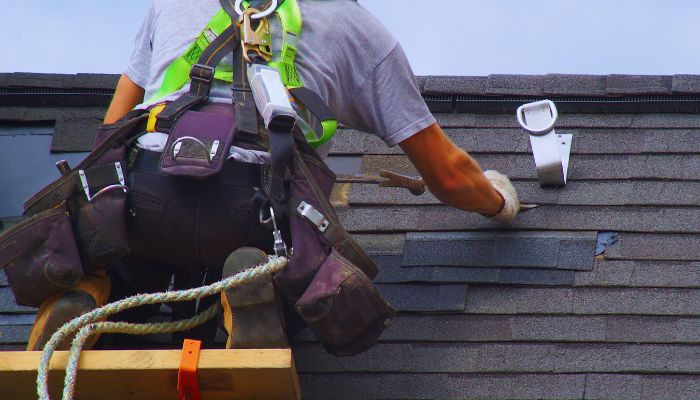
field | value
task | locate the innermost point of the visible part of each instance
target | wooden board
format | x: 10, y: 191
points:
x: 152, y: 375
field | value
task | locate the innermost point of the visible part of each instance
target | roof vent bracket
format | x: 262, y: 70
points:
x: 550, y: 150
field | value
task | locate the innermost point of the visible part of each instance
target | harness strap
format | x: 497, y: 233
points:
x: 202, y: 75
x: 313, y: 103
x: 177, y: 74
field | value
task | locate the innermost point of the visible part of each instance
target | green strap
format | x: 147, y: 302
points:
x: 289, y: 14
x: 178, y: 73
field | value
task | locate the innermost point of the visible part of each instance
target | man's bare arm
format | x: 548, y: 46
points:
x: 127, y: 96
x: 450, y: 173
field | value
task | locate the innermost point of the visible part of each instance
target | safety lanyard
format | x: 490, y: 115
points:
x: 178, y: 72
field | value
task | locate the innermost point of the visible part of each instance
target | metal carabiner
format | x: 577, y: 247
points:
x: 255, y: 40
x: 260, y: 14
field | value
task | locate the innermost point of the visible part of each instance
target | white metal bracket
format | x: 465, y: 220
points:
x: 551, y: 150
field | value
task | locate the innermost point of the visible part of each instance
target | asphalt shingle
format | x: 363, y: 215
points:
x: 639, y: 84
x: 563, y: 250
x: 441, y: 218
x: 655, y: 246
x: 575, y: 85
x: 425, y: 298
x: 581, y: 167
x: 686, y: 84
x: 526, y: 85
x: 616, y: 273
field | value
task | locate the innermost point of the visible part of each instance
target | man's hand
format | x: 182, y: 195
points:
x: 127, y: 96
x: 511, y: 203
x: 454, y: 177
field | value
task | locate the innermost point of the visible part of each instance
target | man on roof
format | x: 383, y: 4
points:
x: 347, y: 57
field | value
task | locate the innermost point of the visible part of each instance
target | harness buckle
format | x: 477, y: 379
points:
x: 202, y: 73
x: 256, y: 40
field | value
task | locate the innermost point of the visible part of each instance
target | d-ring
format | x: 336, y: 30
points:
x: 263, y: 14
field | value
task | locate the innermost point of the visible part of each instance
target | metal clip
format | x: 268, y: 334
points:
x: 86, y: 186
x: 280, y: 246
x: 255, y: 40
x: 309, y: 212
x: 211, y: 153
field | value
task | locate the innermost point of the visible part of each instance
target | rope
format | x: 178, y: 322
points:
x: 88, y: 324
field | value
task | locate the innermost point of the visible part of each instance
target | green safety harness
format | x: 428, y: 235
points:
x: 177, y: 75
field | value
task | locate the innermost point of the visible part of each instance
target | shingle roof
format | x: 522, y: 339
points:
x: 544, y: 308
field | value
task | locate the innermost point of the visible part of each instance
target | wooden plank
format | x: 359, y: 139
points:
x: 146, y: 374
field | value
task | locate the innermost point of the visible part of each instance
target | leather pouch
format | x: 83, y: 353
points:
x: 101, y: 230
x: 343, y: 307
x: 198, y: 144
x: 40, y: 256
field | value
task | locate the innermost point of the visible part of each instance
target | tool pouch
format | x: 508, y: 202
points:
x: 329, y: 277
x: 101, y: 230
x: 197, y: 152
x: 343, y: 307
x: 40, y: 256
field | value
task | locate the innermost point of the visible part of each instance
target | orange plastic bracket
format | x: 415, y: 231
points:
x: 187, y: 382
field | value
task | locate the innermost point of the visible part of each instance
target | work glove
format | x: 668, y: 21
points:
x: 502, y: 184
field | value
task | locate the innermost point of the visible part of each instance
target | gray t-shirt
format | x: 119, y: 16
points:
x: 345, y: 55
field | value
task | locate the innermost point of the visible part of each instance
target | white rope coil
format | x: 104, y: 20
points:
x: 88, y: 324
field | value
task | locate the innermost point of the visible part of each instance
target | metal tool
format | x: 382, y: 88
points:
x: 389, y: 179
x: 551, y: 150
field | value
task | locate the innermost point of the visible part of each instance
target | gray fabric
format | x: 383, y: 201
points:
x: 345, y: 55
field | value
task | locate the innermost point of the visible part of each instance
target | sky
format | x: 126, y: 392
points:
x: 448, y: 37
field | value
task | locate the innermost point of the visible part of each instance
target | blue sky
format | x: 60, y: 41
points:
x: 458, y: 37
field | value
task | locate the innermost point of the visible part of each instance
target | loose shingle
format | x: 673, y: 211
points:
x: 425, y: 298
x: 639, y: 84
x: 565, y: 250
x: 442, y: 218
x: 614, y: 273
